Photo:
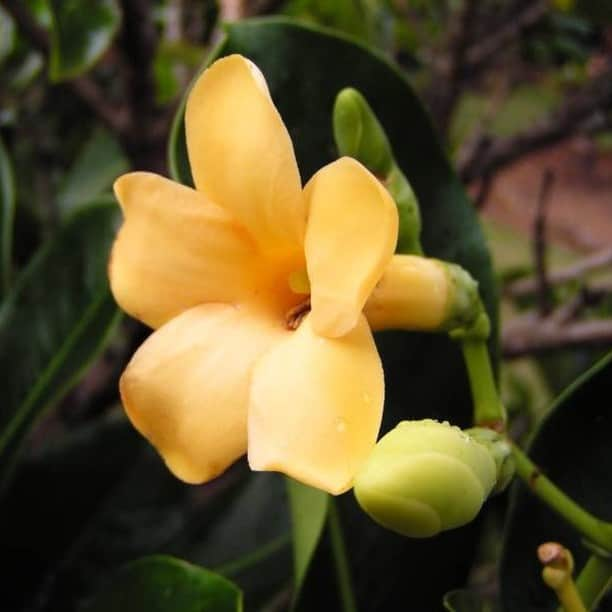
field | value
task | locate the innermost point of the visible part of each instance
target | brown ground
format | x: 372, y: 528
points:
x: 580, y: 207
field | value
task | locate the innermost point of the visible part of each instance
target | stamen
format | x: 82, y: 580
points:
x: 297, y: 313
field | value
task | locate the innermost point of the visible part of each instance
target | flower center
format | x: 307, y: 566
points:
x: 294, y: 317
x: 299, y: 284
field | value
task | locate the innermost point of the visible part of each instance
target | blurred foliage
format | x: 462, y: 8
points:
x: 83, y: 495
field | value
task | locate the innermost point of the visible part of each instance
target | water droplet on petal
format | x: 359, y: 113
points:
x: 340, y: 425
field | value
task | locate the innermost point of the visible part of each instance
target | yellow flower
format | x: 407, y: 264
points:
x: 243, y: 360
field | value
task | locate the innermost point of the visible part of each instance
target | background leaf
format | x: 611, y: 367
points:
x: 7, y: 213
x: 54, y: 322
x: 424, y: 374
x: 166, y: 584
x: 80, y: 37
x: 130, y: 505
x: 463, y: 600
x: 309, y: 508
x: 97, y: 165
x: 7, y: 35
x: 572, y: 447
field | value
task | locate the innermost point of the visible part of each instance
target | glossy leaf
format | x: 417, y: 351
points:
x: 54, y: 322
x: 366, y: 20
x: 80, y: 35
x: 98, y: 164
x: 165, y: 584
x: 424, y: 374
x: 103, y: 509
x: 596, y: 10
x: 7, y: 213
x: 309, y: 508
x: 7, y: 34
x: 572, y: 447
x: 462, y: 600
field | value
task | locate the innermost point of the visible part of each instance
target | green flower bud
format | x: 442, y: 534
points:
x: 359, y: 134
x: 424, y: 477
x: 501, y: 451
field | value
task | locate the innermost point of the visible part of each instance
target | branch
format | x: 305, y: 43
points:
x: 453, y: 70
x: 140, y: 42
x: 84, y: 87
x: 529, y: 334
x: 528, y: 286
x: 540, y: 244
x: 481, y: 53
x: 491, y: 155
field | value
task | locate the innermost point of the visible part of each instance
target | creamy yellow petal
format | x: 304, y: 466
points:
x: 176, y: 250
x: 186, y: 388
x: 350, y: 237
x: 413, y: 293
x: 316, y: 406
x: 241, y: 153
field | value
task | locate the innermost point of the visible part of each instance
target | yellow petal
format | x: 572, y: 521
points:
x: 241, y: 153
x: 350, y: 238
x: 316, y: 405
x: 186, y: 388
x: 176, y: 250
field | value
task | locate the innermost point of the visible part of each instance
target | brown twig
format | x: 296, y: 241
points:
x: 139, y: 40
x: 528, y: 286
x: 540, y: 244
x: 530, y: 334
x: 491, y: 155
x: 85, y: 88
x: 452, y: 73
x: 482, y: 52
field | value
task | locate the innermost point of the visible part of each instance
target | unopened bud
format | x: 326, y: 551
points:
x: 358, y: 133
x: 424, y: 477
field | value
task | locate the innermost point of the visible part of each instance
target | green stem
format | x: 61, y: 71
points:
x: 343, y: 572
x: 597, y: 531
x: 569, y: 598
x: 595, y: 579
x: 488, y: 409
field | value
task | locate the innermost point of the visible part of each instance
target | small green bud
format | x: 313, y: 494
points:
x: 359, y: 134
x: 501, y: 451
x: 424, y: 477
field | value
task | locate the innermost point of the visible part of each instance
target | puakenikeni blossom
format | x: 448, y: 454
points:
x: 256, y: 289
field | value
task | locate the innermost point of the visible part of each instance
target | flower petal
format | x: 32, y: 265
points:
x: 350, y: 238
x: 241, y: 153
x: 186, y: 388
x: 316, y: 405
x: 176, y: 250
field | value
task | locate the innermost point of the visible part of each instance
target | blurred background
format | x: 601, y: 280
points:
x: 520, y: 92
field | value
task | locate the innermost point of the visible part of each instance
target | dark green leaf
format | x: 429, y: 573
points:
x: 368, y: 21
x: 80, y: 34
x: 54, y: 322
x: 166, y: 584
x: 463, y: 600
x: 7, y: 34
x: 572, y: 447
x: 41, y: 11
x: 7, y: 213
x: 124, y: 504
x: 425, y: 377
x: 309, y: 508
x: 98, y: 164
x: 596, y: 10
x: 172, y: 60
